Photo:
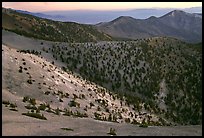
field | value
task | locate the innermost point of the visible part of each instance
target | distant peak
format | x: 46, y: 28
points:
x: 123, y: 18
x: 178, y: 11
x: 152, y: 17
x: 175, y: 13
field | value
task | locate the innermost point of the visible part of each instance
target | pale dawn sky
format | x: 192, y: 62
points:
x: 56, y: 6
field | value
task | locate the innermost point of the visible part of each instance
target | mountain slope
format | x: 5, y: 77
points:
x: 163, y: 73
x: 36, y: 27
x: 148, y: 82
x: 178, y: 24
x: 188, y: 25
x: 160, y: 76
x: 35, y: 73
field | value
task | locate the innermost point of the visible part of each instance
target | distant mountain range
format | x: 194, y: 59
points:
x: 94, y: 16
x: 178, y: 24
x: 42, y: 15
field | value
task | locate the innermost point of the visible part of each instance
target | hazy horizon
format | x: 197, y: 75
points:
x: 89, y: 14
x: 96, y: 6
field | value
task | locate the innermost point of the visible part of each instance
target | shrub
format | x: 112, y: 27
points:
x: 78, y: 114
x: 112, y: 131
x: 110, y: 117
x: 29, y: 81
x: 13, y: 109
x: 64, y: 68
x: 32, y: 101
x: 67, y: 113
x: 85, y: 115
x: 6, y: 102
x: 30, y: 107
x: 57, y: 111
x: 42, y: 107
x: 107, y: 110
x: 73, y: 103
x: 35, y: 115
x: 66, y: 95
x: 47, y: 92
x: 143, y: 125
x: 60, y: 100
x: 91, y: 104
x: 134, y: 122
x: 20, y: 70
x: 85, y: 109
x: 127, y: 120
x: 98, y: 108
x: 67, y: 129
x: 83, y: 96
x: 97, y: 116
x: 25, y: 99
x: 13, y: 105
x: 50, y: 111
x: 37, y: 110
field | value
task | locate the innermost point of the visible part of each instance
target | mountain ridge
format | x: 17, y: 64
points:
x: 42, y: 15
x: 37, y: 27
x: 177, y: 23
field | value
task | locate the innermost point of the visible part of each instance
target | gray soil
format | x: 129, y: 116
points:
x: 16, y: 124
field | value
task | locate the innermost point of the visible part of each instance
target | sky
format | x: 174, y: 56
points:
x: 56, y: 6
